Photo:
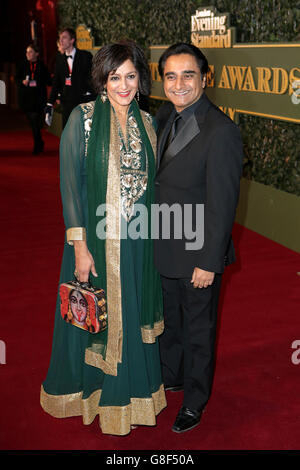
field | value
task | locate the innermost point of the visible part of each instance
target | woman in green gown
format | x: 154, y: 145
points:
x: 107, y: 168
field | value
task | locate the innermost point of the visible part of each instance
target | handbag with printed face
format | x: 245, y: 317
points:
x: 83, y: 305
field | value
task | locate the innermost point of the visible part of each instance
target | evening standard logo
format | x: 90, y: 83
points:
x: 211, y: 29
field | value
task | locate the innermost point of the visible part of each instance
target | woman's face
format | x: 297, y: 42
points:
x: 78, y: 306
x: 122, y: 85
x: 31, y: 54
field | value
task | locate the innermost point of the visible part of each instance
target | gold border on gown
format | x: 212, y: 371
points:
x: 115, y: 420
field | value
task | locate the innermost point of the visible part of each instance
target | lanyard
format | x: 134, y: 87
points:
x: 32, y: 69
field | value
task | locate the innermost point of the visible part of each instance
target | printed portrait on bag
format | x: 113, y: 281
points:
x: 83, y: 309
x: 79, y: 307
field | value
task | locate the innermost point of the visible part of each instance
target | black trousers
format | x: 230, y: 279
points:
x: 36, y: 120
x: 67, y: 108
x: 187, y: 346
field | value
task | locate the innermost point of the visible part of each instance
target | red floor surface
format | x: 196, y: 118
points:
x: 255, y: 402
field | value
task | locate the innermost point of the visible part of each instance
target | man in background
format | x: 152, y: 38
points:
x: 32, y: 78
x: 72, y: 76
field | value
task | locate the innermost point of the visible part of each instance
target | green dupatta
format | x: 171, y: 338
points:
x: 103, y: 177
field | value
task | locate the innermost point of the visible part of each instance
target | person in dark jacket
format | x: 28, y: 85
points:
x: 200, y: 156
x: 72, y: 76
x: 32, y: 79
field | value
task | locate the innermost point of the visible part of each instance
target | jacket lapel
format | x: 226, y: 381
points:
x: 75, y: 62
x: 65, y: 65
x: 162, y: 136
x: 184, y: 136
x: 190, y: 130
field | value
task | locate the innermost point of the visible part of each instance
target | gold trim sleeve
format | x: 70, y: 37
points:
x: 149, y: 334
x: 75, y: 233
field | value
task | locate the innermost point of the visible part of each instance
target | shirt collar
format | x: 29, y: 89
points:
x: 187, y: 112
x: 73, y: 52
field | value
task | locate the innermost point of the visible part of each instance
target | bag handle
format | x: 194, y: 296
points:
x: 84, y: 284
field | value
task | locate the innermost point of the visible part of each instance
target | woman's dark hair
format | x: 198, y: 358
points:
x: 184, y: 48
x: 34, y: 47
x: 112, y: 56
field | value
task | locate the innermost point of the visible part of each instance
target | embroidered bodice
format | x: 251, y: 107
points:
x: 133, y: 168
x: 133, y: 160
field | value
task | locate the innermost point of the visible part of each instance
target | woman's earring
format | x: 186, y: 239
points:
x: 103, y: 96
x: 138, y: 95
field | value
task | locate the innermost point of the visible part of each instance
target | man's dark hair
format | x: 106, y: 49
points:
x: 112, y: 56
x: 184, y: 48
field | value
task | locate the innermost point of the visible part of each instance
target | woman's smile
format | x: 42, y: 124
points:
x: 124, y: 94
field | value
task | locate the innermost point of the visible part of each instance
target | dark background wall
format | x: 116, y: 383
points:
x: 15, y: 28
x: 15, y: 35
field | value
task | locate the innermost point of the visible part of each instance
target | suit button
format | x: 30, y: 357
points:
x: 156, y: 183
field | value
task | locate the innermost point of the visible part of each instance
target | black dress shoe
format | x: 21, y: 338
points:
x: 186, y: 419
x: 174, y: 388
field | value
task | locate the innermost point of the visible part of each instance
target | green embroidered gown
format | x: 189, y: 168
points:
x: 135, y: 395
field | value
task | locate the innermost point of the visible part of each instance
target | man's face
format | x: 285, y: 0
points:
x: 65, y: 41
x: 183, y: 83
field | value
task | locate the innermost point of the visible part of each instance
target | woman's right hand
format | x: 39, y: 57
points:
x: 84, y: 262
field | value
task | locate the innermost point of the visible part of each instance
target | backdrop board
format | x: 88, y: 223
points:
x: 256, y: 79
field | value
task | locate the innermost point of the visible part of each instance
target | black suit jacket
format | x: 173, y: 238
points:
x: 81, y: 79
x: 203, y: 165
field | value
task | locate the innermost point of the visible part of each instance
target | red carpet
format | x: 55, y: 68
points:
x: 256, y: 397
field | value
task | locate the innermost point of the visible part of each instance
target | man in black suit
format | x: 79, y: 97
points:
x: 72, y: 76
x: 199, y: 170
